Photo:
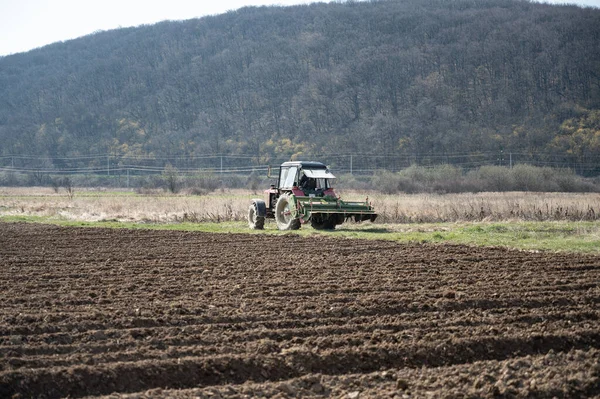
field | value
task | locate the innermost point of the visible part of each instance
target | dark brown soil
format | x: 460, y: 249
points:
x: 140, y: 313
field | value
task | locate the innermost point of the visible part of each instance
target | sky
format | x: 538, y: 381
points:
x: 28, y: 24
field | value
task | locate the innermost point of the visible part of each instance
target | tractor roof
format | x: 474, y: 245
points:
x: 305, y: 164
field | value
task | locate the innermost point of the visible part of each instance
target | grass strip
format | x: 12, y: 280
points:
x: 561, y: 236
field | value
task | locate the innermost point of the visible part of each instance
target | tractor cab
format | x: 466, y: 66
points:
x: 305, y: 179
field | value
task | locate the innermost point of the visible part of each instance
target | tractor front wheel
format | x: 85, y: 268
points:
x: 283, y: 215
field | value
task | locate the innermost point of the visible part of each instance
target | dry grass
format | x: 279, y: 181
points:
x: 96, y: 205
x: 231, y: 205
x: 432, y: 208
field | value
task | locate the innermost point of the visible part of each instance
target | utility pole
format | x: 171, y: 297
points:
x: 108, y: 164
x: 350, y: 164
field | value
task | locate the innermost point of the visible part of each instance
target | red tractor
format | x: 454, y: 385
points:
x: 304, y: 194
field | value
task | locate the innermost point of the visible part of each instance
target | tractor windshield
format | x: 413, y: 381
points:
x: 287, y: 177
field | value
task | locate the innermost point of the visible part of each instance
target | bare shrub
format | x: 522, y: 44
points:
x: 567, y: 181
x: 253, y: 182
x: 232, y: 181
x: 9, y: 178
x: 531, y: 178
x: 448, y: 179
x: 38, y: 178
x: 409, y: 186
x: 353, y: 182
x: 202, y: 184
x: 415, y: 173
x: 419, y: 179
x: 388, y: 182
x: 55, y: 184
x: 68, y: 186
x: 493, y: 178
x: 171, y: 179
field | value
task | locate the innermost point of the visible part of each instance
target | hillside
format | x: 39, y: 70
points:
x: 423, y: 79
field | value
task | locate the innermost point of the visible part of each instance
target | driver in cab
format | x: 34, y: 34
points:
x: 308, y: 183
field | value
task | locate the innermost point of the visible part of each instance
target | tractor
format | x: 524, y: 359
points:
x: 303, y: 194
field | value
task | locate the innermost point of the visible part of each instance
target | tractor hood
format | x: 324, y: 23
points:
x: 318, y: 173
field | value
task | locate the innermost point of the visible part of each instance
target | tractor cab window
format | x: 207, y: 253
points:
x: 315, y: 179
x: 287, y: 177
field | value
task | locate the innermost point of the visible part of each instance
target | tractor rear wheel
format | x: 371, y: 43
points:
x: 255, y: 222
x: 283, y: 215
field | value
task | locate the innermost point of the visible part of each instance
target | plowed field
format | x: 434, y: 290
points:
x: 92, y: 312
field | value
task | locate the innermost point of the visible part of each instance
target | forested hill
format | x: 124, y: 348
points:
x: 411, y: 77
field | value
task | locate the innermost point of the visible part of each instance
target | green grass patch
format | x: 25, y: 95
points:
x: 581, y: 237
